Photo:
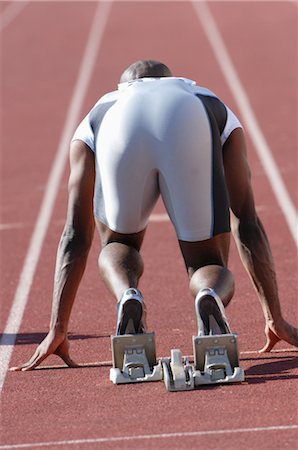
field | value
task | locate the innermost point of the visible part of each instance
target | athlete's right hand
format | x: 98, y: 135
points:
x: 54, y: 343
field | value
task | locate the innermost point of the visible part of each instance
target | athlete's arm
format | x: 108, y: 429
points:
x: 252, y: 242
x: 72, y: 255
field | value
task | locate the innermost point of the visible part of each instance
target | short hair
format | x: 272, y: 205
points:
x: 145, y: 68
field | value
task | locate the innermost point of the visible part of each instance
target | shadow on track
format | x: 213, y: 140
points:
x: 36, y: 338
x: 272, y: 369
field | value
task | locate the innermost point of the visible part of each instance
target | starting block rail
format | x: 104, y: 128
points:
x: 177, y: 376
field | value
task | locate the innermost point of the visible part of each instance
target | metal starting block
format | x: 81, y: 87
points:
x: 134, y: 359
x: 216, y: 361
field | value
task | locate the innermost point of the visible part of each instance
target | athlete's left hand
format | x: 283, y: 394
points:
x: 282, y: 331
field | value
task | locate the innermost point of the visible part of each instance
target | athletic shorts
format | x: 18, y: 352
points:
x: 155, y: 142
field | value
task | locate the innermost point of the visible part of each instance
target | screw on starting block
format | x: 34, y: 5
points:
x: 216, y: 359
x: 134, y: 359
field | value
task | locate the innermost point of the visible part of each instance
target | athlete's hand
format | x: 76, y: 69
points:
x: 54, y: 343
x: 283, y: 331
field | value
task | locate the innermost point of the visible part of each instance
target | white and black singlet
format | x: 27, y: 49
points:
x: 160, y: 136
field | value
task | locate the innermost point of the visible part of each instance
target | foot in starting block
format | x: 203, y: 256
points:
x: 210, y: 314
x: 134, y: 359
x: 133, y: 350
x: 131, y: 313
x: 216, y: 356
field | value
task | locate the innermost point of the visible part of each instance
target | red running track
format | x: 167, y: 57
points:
x: 54, y: 407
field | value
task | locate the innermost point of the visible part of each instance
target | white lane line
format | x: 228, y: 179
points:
x: 155, y: 217
x: 10, y: 13
x: 159, y: 218
x: 163, y: 217
x: 263, y: 150
x: 19, y: 225
x: 186, y: 1
x: 144, y: 437
x: 11, y: 226
x: 280, y: 350
x: 190, y: 357
x: 47, y: 205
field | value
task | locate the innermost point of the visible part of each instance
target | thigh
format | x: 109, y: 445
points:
x: 192, y: 180
x: 126, y: 187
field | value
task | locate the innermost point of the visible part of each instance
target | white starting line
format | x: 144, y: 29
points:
x: 146, y: 437
x: 109, y: 363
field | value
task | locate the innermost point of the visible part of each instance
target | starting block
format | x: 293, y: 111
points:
x: 177, y: 375
x: 134, y: 359
x: 216, y: 361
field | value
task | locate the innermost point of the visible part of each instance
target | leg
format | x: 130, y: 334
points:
x: 120, y: 262
x: 195, y: 196
x: 121, y: 267
x: 206, y: 264
x: 218, y: 278
x: 211, y: 283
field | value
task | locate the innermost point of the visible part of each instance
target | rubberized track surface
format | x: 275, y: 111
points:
x: 57, y: 59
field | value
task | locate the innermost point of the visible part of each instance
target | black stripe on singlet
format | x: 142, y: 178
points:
x: 217, y: 115
x: 95, y: 117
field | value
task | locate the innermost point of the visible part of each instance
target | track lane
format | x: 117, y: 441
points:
x: 30, y: 102
x: 94, y: 411
x: 52, y: 186
x: 272, y: 96
x: 249, y: 119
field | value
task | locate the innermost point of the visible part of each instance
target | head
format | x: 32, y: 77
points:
x: 145, y: 68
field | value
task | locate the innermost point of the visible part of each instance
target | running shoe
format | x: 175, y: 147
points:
x: 210, y: 313
x: 131, y: 312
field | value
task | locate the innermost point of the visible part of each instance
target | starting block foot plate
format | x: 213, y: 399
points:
x: 216, y: 359
x: 134, y: 359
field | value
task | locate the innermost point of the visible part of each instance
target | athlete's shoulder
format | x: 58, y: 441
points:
x: 224, y: 116
x: 201, y: 90
x: 90, y: 124
x: 109, y: 97
x: 102, y: 106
